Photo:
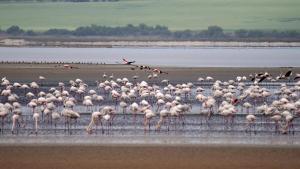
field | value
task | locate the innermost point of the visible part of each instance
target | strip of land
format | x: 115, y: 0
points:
x: 20, y: 42
x: 92, y: 72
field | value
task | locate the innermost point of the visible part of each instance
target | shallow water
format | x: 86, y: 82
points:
x: 194, y: 129
x: 275, y: 140
x: 124, y: 131
x: 183, y: 57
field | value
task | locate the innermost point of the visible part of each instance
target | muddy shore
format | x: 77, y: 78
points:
x: 148, y: 157
x: 92, y: 72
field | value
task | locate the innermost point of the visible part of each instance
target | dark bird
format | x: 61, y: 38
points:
x: 288, y: 74
x: 70, y: 67
x: 280, y: 77
x: 252, y: 78
x: 234, y: 101
x: 128, y: 62
x: 159, y: 71
x: 262, y: 79
x: 143, y: 67
x: 260, y: 74
x: 297, y: 76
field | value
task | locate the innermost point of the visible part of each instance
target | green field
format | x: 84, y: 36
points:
x: 176, y: 14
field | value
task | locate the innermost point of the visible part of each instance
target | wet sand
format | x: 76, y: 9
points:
x: 88, y: 72
x: 149, y: 157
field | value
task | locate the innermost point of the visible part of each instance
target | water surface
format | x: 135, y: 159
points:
x: 182, y: 57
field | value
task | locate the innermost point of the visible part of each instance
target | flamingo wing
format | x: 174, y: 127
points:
x: 125, y: 60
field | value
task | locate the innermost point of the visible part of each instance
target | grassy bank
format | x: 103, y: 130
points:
x: 175, y: 14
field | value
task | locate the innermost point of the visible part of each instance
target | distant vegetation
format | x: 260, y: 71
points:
x: 142, y: 30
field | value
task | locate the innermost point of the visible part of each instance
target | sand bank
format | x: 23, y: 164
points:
x: 56, y: 72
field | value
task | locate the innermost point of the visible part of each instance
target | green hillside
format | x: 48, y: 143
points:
x: 175, y: 14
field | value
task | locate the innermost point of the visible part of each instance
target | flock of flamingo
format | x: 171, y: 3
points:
x: 161, y: 104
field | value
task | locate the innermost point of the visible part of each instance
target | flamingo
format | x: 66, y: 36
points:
x: 276, y: 118
x: 247, y: 105
x: 16, y: 120
x: 123, y: 105
x: 69, y: 115
x: 134, y: 107
x: 36, y: 118
x: 163, y: 115
x: 160, y: 102
x: 288, y: 117
x: 41, y: 78
x: 148, y: 115
x: 95, y: 119
x: 109, y: 114
x: 3, y: 114
x: 209, y: 103
x: 88, y: 103
x: 250, y: 118
x: 227, y: 110
x: 55, y: 117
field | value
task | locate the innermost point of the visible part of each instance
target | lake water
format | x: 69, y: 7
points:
x: 183, y: 57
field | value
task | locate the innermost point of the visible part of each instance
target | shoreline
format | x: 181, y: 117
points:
x: 155, y: 145
x: 56, y: 72
x: 91, y: 43
x: 148, y: 157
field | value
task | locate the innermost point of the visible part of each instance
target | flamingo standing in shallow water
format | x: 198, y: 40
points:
x: 163, y: 115
x: 55, y: 117
x: 250, y: 119
x: 69, y: 116
x: 36, y: 118
x: 3, y: 114
x: 134, y: 107
x: 95, y: 120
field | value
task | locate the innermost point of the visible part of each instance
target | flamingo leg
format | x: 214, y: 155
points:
x: 2, y: 125
x: 102, y: 127
x: 55, y: 126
